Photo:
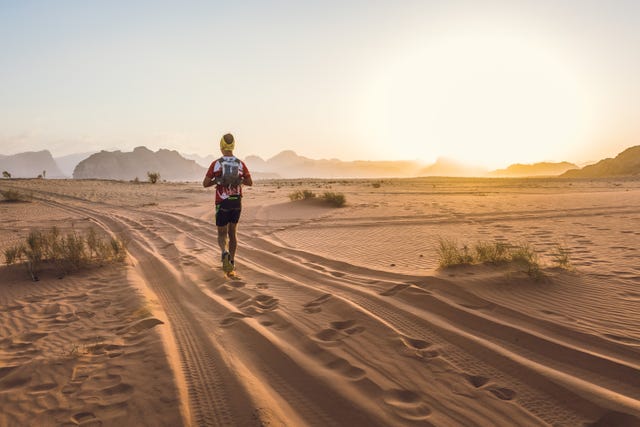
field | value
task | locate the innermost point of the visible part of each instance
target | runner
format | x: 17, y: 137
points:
x: 228, y: 174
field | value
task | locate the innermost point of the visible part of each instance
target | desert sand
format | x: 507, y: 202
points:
x: 340, y: 316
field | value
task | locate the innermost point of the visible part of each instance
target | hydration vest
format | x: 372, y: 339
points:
x: 230, y: 168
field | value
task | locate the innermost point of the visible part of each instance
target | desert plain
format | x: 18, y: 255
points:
x: 340, y: 316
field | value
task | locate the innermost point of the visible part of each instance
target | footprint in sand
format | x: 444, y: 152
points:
x: 86, y: 419
x: 314, y: 306
x: 138, y: 327
x: 395, y: 289
x: 417, y: 348
x: 349, y: 327
x: 338, y: 331
x: 502, y: 393
x: 476, y: 380
x: 346, y: 369
x: 231, y: 319
x: 259, y: 304
x: 407, y: 404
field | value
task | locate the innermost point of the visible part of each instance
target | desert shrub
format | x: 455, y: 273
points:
x: 376, y: 184
x: 451, y: 254
x: 68, y: 252
x: 6, y: 174
x: 13, y: 254
x: 118, y: 249
x: 491, y: 252
x: 13, y: 196
x: 73, y: 255
x: 561, y: 257
x: 335, y: 199
x: 302, y: 195
x: 153, y: 177
x: 92, y: 242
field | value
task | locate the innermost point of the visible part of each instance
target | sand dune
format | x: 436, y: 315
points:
x: 340, y: 316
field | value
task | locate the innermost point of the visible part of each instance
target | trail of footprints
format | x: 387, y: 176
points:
x: 94, y: 384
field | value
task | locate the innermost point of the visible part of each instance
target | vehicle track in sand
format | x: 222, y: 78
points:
x: 195, y: 299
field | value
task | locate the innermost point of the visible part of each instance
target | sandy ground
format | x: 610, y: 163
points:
x: 339, y: 317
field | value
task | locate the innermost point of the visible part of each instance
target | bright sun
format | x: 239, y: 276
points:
x: 485, y: 100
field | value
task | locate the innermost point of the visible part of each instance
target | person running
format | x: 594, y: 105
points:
x: 228, y: 174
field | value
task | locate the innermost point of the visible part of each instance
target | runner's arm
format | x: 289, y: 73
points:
x: 208, y: 181
x: 246, y: 176
x: 209, y: 177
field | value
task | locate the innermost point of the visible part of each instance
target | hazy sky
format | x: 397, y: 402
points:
x: 488, y: 82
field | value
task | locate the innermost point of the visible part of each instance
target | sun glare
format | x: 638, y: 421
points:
x: 482, y: 100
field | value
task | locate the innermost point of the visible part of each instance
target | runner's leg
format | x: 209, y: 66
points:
x: 233, y: 241
x: 222, y: 238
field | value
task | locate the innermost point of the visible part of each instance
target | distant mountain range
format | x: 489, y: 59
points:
x: 31, y: 164
x: 174, y: 166
x: 130, y: 165
x: 626, y: 163
x: 537, y: 169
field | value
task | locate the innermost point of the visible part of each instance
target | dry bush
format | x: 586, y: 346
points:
x: 451, y: 254
x: 13, y: 196
x: 334, y: 199
x: 70, y: 252
x: 302, y: 195
x: 561, y: 256
x: 153, y: 177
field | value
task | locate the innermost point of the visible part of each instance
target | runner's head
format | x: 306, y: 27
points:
x: 227, y: 143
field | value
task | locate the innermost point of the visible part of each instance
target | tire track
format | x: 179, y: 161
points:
x: 215, y: 397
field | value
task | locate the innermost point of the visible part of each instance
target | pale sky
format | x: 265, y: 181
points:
x: 484, y: 82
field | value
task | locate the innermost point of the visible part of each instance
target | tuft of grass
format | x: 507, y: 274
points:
x: 334, y: 199
x: 561, y: 256
x: 491, y: 252
x: 13, y: 254
x: 70, y: 252
x: 302, y: 195
x: 451, y: 254
x: 13, y: 196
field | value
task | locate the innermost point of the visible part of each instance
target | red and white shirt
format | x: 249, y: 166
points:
x: 223, y: 192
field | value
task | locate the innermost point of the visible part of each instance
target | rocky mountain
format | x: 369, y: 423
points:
x: 627, y: 163
x: 67, y: 164
x: 448, y: 167
x: 31, y: 164
x: 204, y: 161
x: 288, y: 164
x: 535, y: 169
x: 130, y: 165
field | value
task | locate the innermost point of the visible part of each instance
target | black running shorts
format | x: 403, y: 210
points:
x: 228, y: 211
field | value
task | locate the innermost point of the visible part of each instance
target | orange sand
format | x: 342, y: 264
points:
x: 340, y: 316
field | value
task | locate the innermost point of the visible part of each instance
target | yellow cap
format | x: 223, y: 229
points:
x: 227, y: 142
